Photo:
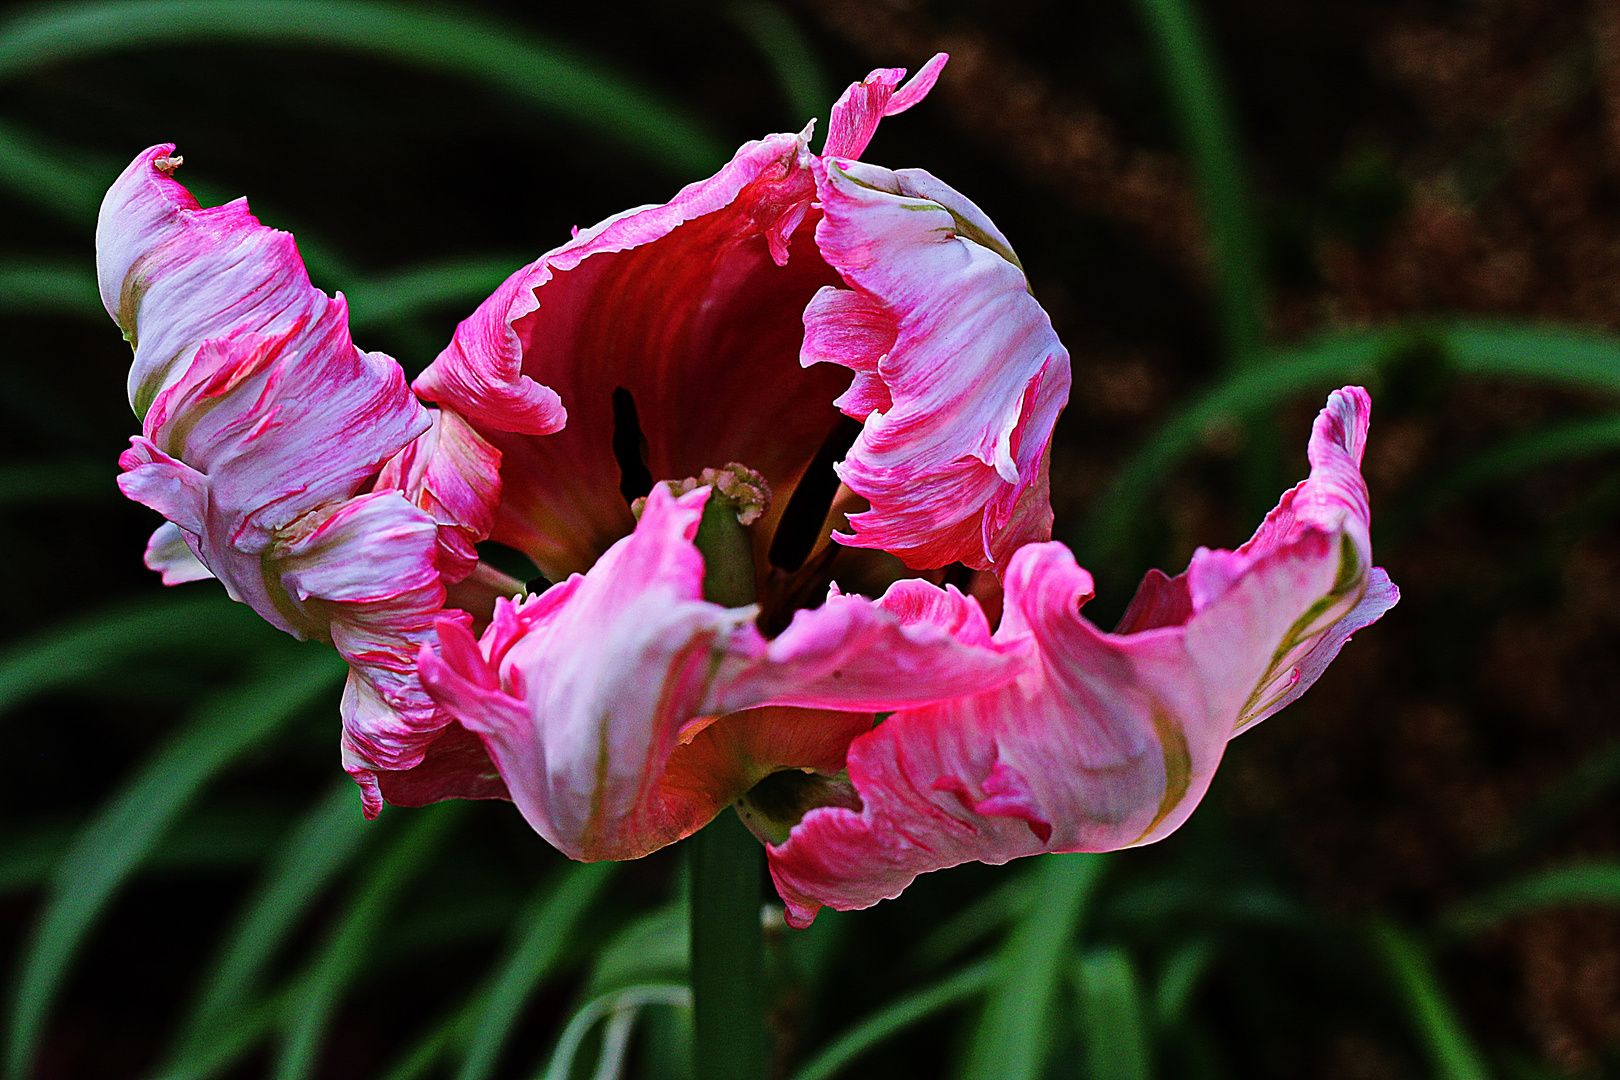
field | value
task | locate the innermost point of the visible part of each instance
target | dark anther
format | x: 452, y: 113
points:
x: 629, y: 447
x: 800, y: 527
x: 960, y: 575
x: 537, y: 585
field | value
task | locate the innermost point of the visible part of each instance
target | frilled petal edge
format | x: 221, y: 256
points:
x: 1109, y: 740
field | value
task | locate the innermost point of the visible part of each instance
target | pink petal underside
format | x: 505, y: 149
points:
x: 258, y: 407
x: 959, y: 376
x: 454, y: 766
x: 1109, y: 740
x: 585, y: 693
x: 683, y: 306
x: 170, y: 553
x: 855, y: 116
x: 282, y: 425
x: 454, y: 475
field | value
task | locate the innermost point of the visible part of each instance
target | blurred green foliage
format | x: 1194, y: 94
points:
x: 172, y: 757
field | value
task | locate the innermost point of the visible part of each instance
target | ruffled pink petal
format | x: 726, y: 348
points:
x: 584, y: 693
x: 580, y: 698
x: 917, y: 643
x: 959, y: 376
x: 1108, y: 740
x: 454, y: 475
x: 263, y: 429
x: 856, y: 115
x: 365, y: 569
x: 684, y: 307
x: 454, y: 766
x: 282, y: 425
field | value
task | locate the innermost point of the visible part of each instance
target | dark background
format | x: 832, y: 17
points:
x: 1406, y: 165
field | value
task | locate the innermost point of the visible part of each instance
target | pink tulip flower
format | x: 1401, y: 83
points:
x: 658, y: 414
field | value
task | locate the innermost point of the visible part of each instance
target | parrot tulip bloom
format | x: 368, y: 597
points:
x: 698, y: 418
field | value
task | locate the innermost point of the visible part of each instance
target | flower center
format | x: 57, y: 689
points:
x: 773, y: 806
x: 738, y: 497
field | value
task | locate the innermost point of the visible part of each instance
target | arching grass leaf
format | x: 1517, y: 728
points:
x: 227, y: 840
x: 1113, y: 1035
x: 789, y: 52
x: 1559, y: 355
x: 319, y: 990
x: 463, y: 283
x: 544, y: 75
x: 896, y: 1017
x: 200, y: 619
x: 129, y: 827
x: 1434, y: 1018
x: 1011, y: 1040
x: 47, y: 177
x: 1586, y: 883
x: 1000, y: 907
x: 1509, y: 459
x: 49, y: 287
x: 1183, y: 969
x: 317, y: 850
x: 619, y: 1008
x: 1203, y: 113
x: 543, y: 932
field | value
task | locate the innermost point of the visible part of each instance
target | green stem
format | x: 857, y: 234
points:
x: 728, y: 953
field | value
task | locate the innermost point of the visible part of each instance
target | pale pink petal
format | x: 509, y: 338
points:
x: 283, y: 424
x: 169, y: 552
x: 593, y: 690
x: 174, y: 274
x: 686, y: 308
x: 854, y: 119
x: 958, y: 370
x: 263, y: 426
x: 258, y: 409
x: 1108, y: 740
x: 584, y: 693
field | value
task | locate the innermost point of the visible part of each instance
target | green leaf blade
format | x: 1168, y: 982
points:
x: 135, y: 819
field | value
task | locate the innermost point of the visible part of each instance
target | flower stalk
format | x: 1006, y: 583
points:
x: 728, y: 953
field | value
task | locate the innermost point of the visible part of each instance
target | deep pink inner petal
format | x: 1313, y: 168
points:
x: 702, y: 328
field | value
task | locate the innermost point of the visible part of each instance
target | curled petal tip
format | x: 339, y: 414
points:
x: 854, y: 118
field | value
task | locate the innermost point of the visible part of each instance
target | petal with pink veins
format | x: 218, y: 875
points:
x: 674, y: 326
x: 263, y: 427
x: 1107, y: 740
x: 959, y: 376
x: 454, y: 475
